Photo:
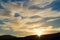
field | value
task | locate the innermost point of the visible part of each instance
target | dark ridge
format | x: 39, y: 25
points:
x: 55, y: 36
x: 8, y: 37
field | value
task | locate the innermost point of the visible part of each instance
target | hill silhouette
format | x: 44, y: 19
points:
x: 55, y: 36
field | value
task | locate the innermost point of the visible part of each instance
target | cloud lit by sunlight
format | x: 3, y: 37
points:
x: 31, y: 21
x: 38, y: 32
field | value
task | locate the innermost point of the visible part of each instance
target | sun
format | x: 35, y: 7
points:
x: 39, y: 32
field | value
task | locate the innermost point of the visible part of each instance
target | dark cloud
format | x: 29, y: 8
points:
x: 35, y: 16
x: 48, y: 18
x: 4, y: 12
x: 6, y: 20
x: 16, y: 15
x: 1, y: 7
x: 1, y: 22
x: 55, y: 23
x: 34, y: 7
x: 55, y: 5
x: 40, y: 21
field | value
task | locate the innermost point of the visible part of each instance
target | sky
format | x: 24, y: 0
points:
x: 20, y: 17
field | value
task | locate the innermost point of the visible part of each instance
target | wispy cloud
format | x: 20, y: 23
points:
x: 33, y: 15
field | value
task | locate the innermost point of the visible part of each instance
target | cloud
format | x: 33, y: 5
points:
x: 4, y: 13
x: 40, y: 2
x: 28, y: 19
x: 55, y: 5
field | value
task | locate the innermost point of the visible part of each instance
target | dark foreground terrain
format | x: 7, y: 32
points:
x: 55, y: 36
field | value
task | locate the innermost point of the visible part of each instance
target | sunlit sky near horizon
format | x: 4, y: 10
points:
x: 20, y: 17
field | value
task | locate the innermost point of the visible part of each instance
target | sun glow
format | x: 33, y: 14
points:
x: 39, y: 32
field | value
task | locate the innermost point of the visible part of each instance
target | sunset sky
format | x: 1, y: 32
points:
x: 20, y: 17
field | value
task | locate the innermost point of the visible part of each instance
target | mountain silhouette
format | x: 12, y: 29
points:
x: 55, y: 36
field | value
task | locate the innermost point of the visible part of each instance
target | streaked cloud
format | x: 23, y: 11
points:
x: 22, y: 17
